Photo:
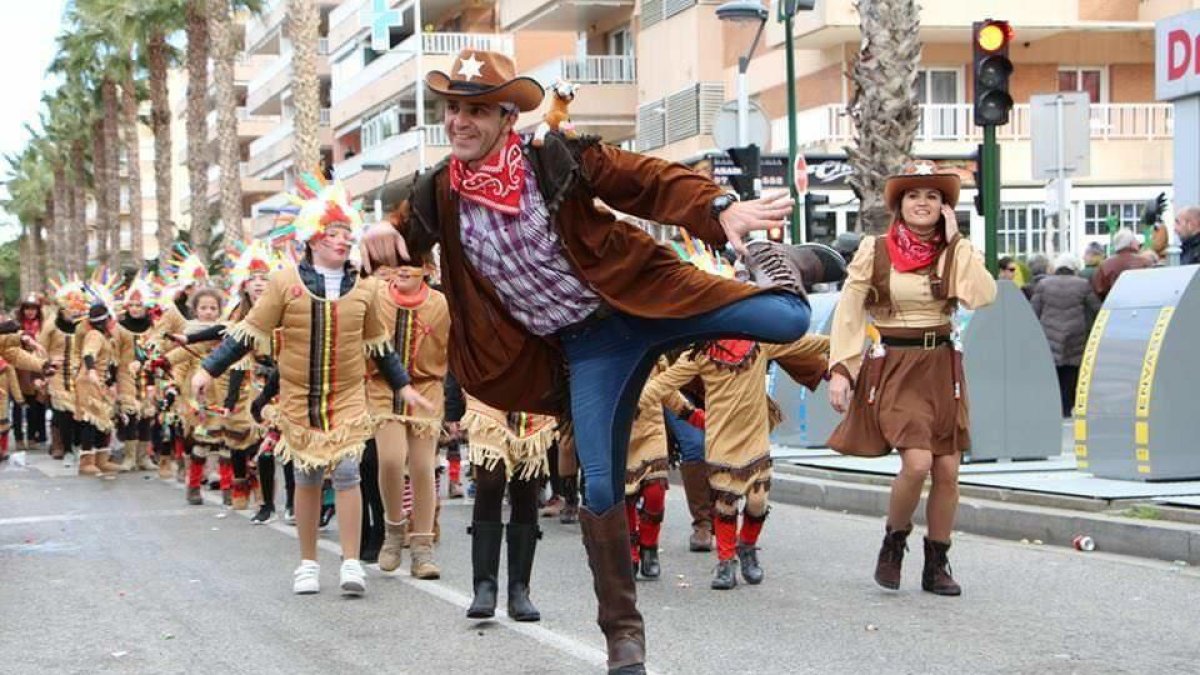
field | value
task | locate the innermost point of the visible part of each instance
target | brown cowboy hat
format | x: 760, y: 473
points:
x: 486, y: 77
x: 921, y: 174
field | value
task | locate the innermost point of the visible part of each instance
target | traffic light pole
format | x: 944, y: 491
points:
x: 991, y: 197
x: 797, y: 235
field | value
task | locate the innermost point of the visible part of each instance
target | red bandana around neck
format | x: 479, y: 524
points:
x: 498, y: 181
x: 908, y: 251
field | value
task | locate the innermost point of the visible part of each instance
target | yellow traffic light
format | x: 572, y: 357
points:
x: 993, y: 35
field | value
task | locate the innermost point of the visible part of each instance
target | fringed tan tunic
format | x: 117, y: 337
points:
x: 420, y: 335
x: 738, y: 413
x: 10, y: 391
x: 63, y: 351
x: 519, y: 440
x: 93, y: 403
x: 133, y: 398
x: 647, y: 459
x: 201, y: 419
x: 321, y: 413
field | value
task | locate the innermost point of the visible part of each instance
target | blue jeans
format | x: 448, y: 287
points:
x: 609, y: 361
x: 689, y: 438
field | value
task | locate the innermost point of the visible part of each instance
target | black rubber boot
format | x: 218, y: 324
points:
x: 649, y: 562
x: 485, y: 565
x: 751, y: 571
x: 522, y: 543
x: 726, y: 577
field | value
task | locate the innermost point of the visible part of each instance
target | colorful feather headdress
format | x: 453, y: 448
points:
x: 102, y: 289
x: 143, y: 290
x: 70, y: 294
x: 695, y: 252
x: 315, y: 206
x: 251, y: 259
x: 184, y: 268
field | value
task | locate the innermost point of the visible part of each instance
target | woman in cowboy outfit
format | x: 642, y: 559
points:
x: 908, y: 392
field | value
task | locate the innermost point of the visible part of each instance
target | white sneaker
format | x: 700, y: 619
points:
x: 354, y: 578
x: 306, y: 580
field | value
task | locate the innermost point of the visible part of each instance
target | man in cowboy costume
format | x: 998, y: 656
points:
x: 542, y: 282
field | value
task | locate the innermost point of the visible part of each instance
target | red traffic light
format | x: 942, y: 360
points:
x: 992, y: 36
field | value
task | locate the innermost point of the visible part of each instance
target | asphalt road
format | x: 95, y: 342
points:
x: 122, y: 576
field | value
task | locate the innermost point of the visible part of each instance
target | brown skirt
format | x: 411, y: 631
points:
x: 906, y: 399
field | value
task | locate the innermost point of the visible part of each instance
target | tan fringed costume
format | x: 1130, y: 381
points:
x: 133, y: 399
x: 62, y: 348
x: 519, y: 440
x: 93, y: 403
x: 738, y: 424
x: 647, y: 458
x: 322, y: 411
x: 420, y: 336
x: 10, y: 391
x: 905, y: 397
x: 201, y: 421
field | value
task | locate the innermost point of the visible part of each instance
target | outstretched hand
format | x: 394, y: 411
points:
x: 741, y: 218
x: 381, y: 241
x: 412, y: 397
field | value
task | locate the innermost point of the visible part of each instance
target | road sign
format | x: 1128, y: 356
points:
x: 382, y: 20
x: 1060, y: 132
x: 725, y: 126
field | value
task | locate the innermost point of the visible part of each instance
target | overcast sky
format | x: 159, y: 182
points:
x: 27, y: 31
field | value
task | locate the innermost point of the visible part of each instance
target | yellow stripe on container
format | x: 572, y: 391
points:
x: 1088, y: 364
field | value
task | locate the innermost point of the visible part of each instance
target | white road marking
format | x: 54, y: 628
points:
x: 112, y: 515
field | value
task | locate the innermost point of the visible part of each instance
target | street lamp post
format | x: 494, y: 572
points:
x: 386, y: 169
x: 744, y: 11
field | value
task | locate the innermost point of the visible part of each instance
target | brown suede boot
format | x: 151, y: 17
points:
x: 699, y: 499
x: 394, y: 538
x: 891, y: 557
x: 166, y: 468
x: 56, y: 444
x: 606, y: 539
x: 105, y: 464
x: 87, y: 465
x: 936, y: 577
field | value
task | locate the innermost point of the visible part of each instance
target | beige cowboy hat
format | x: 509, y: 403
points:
x: 921, y: 174
x: 486, y: 77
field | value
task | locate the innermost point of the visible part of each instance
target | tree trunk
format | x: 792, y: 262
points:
x: 133, y: 151
x: 304, y: 29
x: 160, y: 115
x: 100, y: 178
x: 112, y: 164
x: 884, y: 106
x: 56, y: 231
x: 224, y: 48
x: 57, y: 213
x: 25, y: 272
x: 75, y: 239
x: 37, y: 281
x: 197, y: 125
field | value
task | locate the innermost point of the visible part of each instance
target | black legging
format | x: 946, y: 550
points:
x: 489, y: 496
x: 91, y: 438
x: 137, y: 429
x: 266, y: 478
x: 289, y: 484
x: 241, y: 461
x: 29, y: 421
x: 67, y: 429
x: 372, y: 506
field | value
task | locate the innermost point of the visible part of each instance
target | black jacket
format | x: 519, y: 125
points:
x: 1191, y: 250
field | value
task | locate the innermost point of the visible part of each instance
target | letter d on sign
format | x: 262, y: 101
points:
x: 1177, y: 63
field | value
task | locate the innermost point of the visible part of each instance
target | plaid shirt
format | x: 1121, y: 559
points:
x: 523, y: 258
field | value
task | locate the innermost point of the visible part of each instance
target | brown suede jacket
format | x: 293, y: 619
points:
x: 491, y: 353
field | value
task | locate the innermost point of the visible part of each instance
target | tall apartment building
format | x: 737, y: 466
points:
x: 653, y: 74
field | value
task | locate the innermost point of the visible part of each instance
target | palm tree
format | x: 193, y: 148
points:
x: 29, y: 187
x: 304, y: 28
x: 884, y: 107
x: 196, y: 27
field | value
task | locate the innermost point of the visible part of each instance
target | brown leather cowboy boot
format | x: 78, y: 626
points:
x: 936, y: 577
x: 891, y: 557
x: 606, y: 539
x: 699, y: 499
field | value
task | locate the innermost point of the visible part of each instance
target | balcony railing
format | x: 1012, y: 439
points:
x: 393, y: 147
x: 323, y: 46
x: 274, y: 136
x: 954, y: 122
x: 324, y: 119
x: 588, y: 70
x: 453, y: 43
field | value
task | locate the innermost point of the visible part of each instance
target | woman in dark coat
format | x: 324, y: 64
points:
x: 1066, y: 305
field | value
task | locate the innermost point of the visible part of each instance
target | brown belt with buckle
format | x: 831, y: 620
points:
x: 916, y: 338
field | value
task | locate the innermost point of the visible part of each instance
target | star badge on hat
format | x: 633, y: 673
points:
x: 471, y: 68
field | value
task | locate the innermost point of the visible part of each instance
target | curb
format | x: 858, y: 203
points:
x: 1051, y: 519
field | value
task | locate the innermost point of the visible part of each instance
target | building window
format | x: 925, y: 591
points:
x: 937, y: 93
x: 1101, y: 218
x: 620, y: 42
x: 1091, y: 80
x: 380, y: 127
x: 1022, y: 230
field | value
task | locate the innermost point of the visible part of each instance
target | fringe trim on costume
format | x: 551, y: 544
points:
x: 646, y: 472
x: 774, y: 414
x: 380, y: 346
x: 247, y: 334
x: 62, y: 402
x: 744, y: 472
x: 526, y: 468
x: 345, y: 441
x: 422, y: 427
x: 728, y: 498
x: 104, y: 425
